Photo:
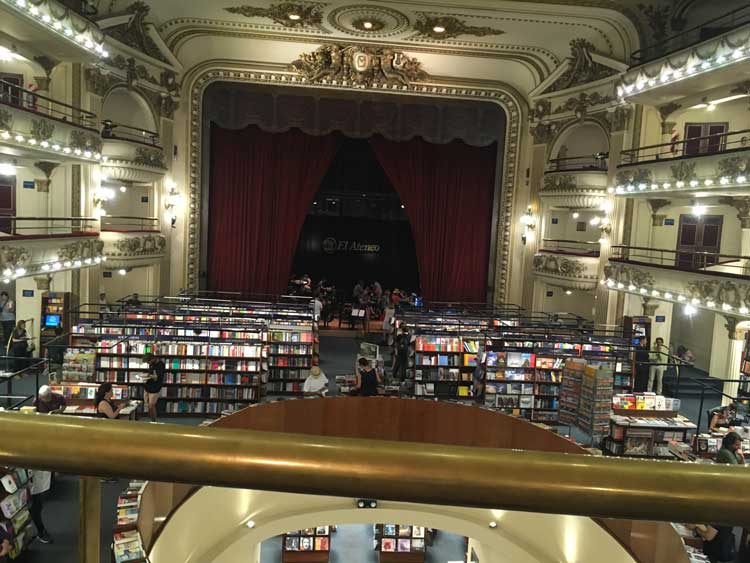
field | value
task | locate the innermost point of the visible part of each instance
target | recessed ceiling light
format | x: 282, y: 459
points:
x: 367, y: 25
x: 295, y: 17
x: 438, y: 29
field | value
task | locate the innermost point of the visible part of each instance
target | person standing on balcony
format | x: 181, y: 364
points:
x: 658, y: 359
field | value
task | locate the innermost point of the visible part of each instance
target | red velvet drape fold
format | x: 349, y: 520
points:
x: 262, y: 186
x: 448, y: 193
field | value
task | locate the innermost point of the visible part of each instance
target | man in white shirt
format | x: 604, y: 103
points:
x: 316, y: 383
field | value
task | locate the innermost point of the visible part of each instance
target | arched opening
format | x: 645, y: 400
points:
x: 357, y: 227
x: 125, y: 107
x: 580, y: 140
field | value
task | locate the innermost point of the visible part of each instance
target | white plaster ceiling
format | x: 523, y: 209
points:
x: 532, y: 37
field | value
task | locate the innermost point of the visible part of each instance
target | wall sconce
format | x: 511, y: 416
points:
x: 102, y: 195
x: 171, y: 201
x: 529, y: 224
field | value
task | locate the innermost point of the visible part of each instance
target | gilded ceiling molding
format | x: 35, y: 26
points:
x: 448, y: 27
x: 506, y: 97
x: 368, y: 20
x: 582, y: 68
x: 288, y: 14
x: 362, y: 66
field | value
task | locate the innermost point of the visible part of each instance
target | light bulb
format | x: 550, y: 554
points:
x: 438, y: 29
x: 576, y: 215
x: 689, y: 310
x: 7, y: 169
x: 46, y: 267
x: 123, y: 189
x: 122, y: 272
x: 56, y: 266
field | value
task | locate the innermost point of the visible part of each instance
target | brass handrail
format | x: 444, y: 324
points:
x: 399, y: 471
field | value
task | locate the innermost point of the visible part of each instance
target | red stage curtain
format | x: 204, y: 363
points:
x: 448, y: 193
x: 262, y: 186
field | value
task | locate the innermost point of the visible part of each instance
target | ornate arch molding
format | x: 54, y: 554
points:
x: 594, y: 119
x: 497, y: 92
x: 140, y: 93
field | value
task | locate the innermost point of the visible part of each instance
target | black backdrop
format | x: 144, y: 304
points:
x: 350, y: 254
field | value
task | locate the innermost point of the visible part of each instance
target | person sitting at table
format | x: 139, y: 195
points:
x: 316, y: 383
x: 105, y: 406
x: 48, y: 402
x: 721, y: 417
x: 731, y: 450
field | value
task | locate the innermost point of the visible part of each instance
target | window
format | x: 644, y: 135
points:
x: 10, y: 88
x: 705, y: 138
x: 698, y: 241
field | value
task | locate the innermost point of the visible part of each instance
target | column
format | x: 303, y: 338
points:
x: 742, y: 205
x: 542, y: 135
x: 90, y: 514
x: 734, y: 358
x: 666, y: 131
x: 42, y: 88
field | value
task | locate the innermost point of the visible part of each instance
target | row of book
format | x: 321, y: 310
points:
x: 230, y: 393
x: 127, y: 545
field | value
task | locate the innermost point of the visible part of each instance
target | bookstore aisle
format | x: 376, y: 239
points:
x: 353, y: 543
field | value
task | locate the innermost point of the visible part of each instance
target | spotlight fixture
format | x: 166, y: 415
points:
x: 568, y: 292
x: 529, y: 224
x: 367, y: 25
x: 250, y: 524
x: 367, y: 503
x: 294, y: 17
x: 493, y: 524
x: 438, y: 29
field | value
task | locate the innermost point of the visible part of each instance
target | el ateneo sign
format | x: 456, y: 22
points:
x: 332, y: 246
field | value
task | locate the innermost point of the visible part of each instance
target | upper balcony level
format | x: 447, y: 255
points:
x: 568, y: 263
x: 40, y: 127
x: 51, y: 28
x: 132, y: 154
x: 714, y: 164
x: 696, y: 60
x: 705, y: 280
x: 578, y: 182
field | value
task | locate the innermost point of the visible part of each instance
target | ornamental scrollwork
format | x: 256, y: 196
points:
x: 450, y: 27
x: 633, y: 177
x: 559, y: 182
x: 85, y: 141
x: 683, y: 171
x: 81, y: 249
x: 627, y: 275
x: 100, y: 83
x: 702, y: 289
x: 14, y: 256
x: 149, y: 157
x: 133, y: 33
x: 139, y: 246
x: 364, y: 66
x: 582, y: 102
x: 556, y: 265
x: 618, y: 119
x: 543, y: 133
x: 541, y: 109
x: 42, y: 130
x: 581, y: 67
x: 734, y: 166
x: 307, y: 14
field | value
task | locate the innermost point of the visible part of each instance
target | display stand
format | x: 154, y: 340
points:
x: 79, y: 399
x: 401, y: 543
x: 311, y: 545
x: 648, y: 436
x: 15, y: 516
x: 56, y: 312
x: 127, y: 546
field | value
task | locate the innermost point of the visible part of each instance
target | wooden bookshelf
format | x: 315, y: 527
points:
x: 311, y: 545
x: 56, y: 311
x: 80, y: 396
x: 127, y: 544
x: 401, y: 543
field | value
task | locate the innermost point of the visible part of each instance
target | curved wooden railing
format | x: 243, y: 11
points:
x: 411, y: 420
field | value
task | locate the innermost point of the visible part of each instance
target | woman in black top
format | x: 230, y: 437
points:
x: 367, y: 379
x: 154, y: 383
x: 105, y: 406
x: 19, y: 346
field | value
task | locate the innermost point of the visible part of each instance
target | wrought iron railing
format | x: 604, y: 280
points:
x: 572, y: 247
x: 120, y: 132
x: 596, y: 161
x: 693, y: 147
x: 687, y: 260
x: 28, y: 100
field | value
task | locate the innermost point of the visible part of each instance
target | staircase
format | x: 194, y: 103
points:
x: 690, y: 383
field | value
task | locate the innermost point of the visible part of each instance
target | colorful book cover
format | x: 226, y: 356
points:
x: 309, y: 531
x: 404, y: 531
x: 389, y: 529
x: 388, y: 545
x: 417, y: 545
x: 306, y: 544
x: 321, y: 531
x: 292, y: 543
x: 418, y: 532
x: 404, y: 545
x: 321, y: 544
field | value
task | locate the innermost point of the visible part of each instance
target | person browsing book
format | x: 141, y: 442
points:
x: 105, y: 405
x: 48, y: 402
x: 731, y: 450
x: 367, y: 379
x: 316, y: 383
x: 154, y: 383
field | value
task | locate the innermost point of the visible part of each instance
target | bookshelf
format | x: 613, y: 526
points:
x: 291, y: 346
x: 311, y: 545
x: 444, y: 365
x: 646, y: 436
x: 56, y: 311
x: 401, y: 543
x: 15, y: 515
x: 127, y: 545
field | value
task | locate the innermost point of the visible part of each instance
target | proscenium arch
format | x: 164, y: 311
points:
x: 503, y: 225
x: 227, y: 539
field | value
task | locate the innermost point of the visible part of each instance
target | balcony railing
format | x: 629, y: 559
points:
x: 693, y: 147
x: 118, y: 132
x: 689, y: 261
x: 571, y: 247
x: 28, y: 100
x: 702, y: 32
x: 41, y: 227
x: 129, y: 224
x: 592, y: 162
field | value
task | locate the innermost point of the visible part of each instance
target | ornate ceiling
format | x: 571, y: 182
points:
x: 536, y: 36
